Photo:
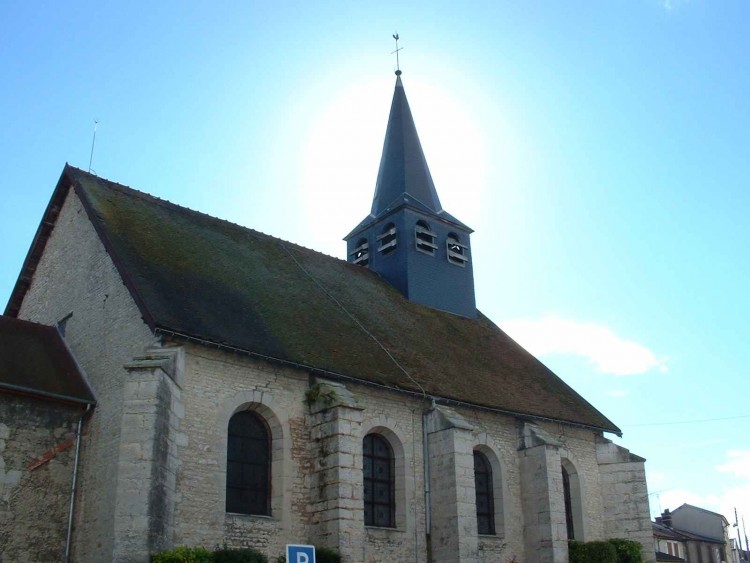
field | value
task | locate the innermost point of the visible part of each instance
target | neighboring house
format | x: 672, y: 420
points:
x: 252, y: 392
x: 43, y: 398
x: 670, y: 544
x: 702, y: 535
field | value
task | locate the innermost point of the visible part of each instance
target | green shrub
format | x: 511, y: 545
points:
x: 601, y: 552
x: 576, y: 552
x: 326, y: 555
x: 183, y: 555
x: 248, y: 555
x: 592, y: 552
x: 628, y: 551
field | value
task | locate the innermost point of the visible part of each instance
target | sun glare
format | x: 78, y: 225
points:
x: 344, y: 142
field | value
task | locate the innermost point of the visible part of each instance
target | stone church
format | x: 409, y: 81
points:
x: 213, y: 385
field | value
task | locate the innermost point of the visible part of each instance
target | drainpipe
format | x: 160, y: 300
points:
x: 74, y: 483
x: 426, y: 459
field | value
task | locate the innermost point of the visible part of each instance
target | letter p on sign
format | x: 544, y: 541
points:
x: 300, y: 553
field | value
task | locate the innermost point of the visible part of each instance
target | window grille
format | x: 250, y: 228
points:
x: 484, y: 494
x: 248, y: 465
x: 380, y: 505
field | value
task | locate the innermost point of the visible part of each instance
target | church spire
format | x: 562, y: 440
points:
x: 407, y: 238
x: 403, y: 177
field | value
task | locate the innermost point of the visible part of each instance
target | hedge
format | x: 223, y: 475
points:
x: 184, y: 555
x: 202, y: 555
x: 225, y: 555
x: 615, y: 550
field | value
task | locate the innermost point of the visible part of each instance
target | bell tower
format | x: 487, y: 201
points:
x: 408, y: 238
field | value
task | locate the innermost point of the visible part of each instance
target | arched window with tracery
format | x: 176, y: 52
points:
x: 485, y: 498
x: 379, y: 482
x: 248, y: 465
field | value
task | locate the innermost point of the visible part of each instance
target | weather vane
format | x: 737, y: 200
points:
x: 398, y: 67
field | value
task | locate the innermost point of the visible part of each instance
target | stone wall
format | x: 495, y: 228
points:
x: 624, y: 492
x: 148, y: 462
x: 305, y: 473
x: 217, y: 384
x: 34, y: 500
x: 76, y: 275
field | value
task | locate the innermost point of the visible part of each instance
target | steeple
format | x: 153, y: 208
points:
x: 403, y: 175
x: 408, y: 238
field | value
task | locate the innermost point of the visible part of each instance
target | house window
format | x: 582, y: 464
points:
x: 456, y: 251
x: 380, y: 504
x: 361, y: 253
x: 248, y: 465
x: 425, y: 238
x: 485, y: 498
x: 387, y: 239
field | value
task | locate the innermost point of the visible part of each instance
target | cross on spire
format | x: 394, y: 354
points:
x: 398, y: 67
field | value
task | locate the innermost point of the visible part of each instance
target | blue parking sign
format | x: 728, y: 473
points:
x: 300, y: 553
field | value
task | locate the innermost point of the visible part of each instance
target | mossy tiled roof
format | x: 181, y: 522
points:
x: 205, y: 278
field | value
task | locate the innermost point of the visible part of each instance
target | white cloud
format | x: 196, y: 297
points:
x: 738, y: 464
x: 605, y: 350
x: 617, y: 393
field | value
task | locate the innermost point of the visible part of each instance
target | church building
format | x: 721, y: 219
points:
x: 225, y: 387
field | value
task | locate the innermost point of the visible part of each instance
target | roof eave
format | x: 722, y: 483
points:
x: 339, y: 376
x: 45, y: 395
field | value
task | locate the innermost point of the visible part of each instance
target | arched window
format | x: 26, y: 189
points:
x: 425, y: 238
x: 361, y: 253
x: 572, y: 495
x: 568, y: 504
x: 484, y: 494
x: 378, y: 469
x: 387, y: 239
x: 456, y: 250
x: 248, y: 465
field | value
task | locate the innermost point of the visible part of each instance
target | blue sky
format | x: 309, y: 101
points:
x: 599, y: 150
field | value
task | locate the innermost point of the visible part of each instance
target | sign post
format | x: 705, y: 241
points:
x: 300, y: 553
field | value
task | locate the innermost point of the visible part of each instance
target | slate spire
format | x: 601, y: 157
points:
x: 403, y: 174
x: 408, y: 238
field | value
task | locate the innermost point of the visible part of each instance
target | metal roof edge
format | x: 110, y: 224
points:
x: 20, y: 390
